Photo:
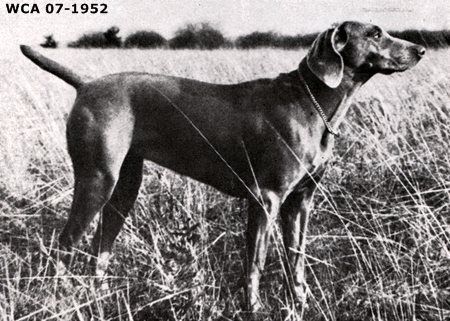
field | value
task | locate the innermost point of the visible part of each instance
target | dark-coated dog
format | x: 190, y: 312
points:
x: 266, y: 140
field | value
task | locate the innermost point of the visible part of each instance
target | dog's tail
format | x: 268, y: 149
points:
x: 53, y: 67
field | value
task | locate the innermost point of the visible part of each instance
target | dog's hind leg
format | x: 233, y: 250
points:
x: 92, y: 190
x: 98, y: 146
x: 116, y: 210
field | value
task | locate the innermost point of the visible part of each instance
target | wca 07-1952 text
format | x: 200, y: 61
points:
x: 56, y: 8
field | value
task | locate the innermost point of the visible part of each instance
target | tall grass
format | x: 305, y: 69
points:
x: 378, y: 247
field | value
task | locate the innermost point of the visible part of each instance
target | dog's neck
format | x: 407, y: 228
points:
x: 334, y: 101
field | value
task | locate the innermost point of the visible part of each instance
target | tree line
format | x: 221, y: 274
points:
x: 205, y: 36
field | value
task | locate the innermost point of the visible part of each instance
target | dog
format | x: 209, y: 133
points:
x: 266, y: 140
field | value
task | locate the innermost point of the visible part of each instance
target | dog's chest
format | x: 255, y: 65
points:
x: 311, y: 153
x: 323, y: 151
x: 311, y: 145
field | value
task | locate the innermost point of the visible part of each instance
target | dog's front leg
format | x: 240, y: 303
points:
x: 261, y: 214
x: 294, y: 221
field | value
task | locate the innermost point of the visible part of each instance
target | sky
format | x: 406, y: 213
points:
x: 233, y: 17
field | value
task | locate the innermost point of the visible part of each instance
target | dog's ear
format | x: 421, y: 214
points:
x: 324, y: 58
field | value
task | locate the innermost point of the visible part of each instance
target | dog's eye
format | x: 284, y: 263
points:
x: 376, y: 34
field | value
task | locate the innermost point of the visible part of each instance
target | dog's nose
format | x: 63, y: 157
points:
x: 420, y: 50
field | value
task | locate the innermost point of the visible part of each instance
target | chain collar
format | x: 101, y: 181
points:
x: 318, y: 107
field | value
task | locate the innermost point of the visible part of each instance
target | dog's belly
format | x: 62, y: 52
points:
x: 230, y: 171
x: 199, y: 161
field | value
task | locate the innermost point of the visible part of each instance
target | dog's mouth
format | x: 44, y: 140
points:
x: 391, y: 67
x: 401, y: 64
x: 388, y: 64
x: 407, y: 60
x: 403, y: 67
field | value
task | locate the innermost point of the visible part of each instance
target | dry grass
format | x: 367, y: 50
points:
x: 379, y: 242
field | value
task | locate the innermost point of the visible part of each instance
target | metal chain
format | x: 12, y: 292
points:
x: 319, y: 108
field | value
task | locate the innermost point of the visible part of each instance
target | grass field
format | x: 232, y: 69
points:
x: 378, y: 247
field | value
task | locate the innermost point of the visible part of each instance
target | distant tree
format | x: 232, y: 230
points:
x: 49, y: 42
x: 145, y: 39
x: 107, y: 39
x: 297, y: 41
x: 205, y: 36
x: 258, y: 39
x: 89, y: 40
x: 112, y: 39
x: 198, y: 36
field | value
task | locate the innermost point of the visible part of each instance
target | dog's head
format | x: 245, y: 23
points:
x: 365, y: 48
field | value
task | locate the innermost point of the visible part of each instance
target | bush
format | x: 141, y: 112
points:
x: 112, y: 39
x: 272, y: 39
x: 108, y: 39
x: 198, y: 36
x: 89, y: 40
x: 50, y: 42
x: 298, y: 41
x: 258, y: 39
x: 145, y: 39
